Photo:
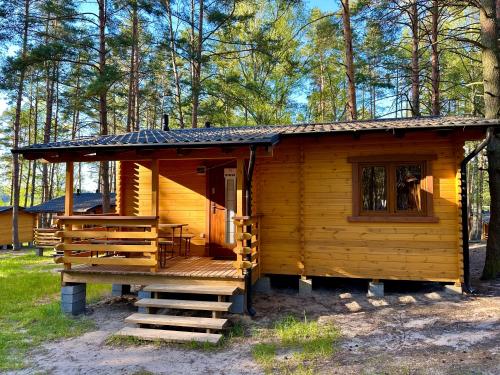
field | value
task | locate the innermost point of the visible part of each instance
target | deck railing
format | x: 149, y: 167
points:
x: 109, y: 240
x: 247, y: 236
x: 45, y: 238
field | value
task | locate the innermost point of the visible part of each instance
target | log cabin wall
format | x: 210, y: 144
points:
x: 26, y: 224
x: 182, y: 195
x: 305, y: 196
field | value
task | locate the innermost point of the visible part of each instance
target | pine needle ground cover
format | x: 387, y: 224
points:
x: 30, y: 311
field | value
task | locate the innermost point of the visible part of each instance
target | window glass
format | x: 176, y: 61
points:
x: 408, y: 181
x: 373, y: 188
x: 230, y: 207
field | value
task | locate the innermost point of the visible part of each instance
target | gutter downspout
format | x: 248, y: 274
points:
x: 465, y: 222
x: 248, y: 209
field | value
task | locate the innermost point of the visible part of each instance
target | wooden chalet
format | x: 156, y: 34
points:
x: 378, y: 200
x: 26, y: 223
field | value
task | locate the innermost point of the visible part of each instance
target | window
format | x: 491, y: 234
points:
x: 230, y: 202
x: 392, y: 188
x: 374, y: 188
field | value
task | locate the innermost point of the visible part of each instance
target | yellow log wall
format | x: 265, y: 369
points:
x: 322, y: 236
x: 26, y: 225
x: 182, y: 195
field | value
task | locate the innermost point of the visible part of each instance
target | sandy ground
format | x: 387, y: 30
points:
x: 417, y: 328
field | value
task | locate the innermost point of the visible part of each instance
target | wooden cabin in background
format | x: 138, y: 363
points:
x: 83, y: 204
x: 377, y: 200
x: 26, y: 223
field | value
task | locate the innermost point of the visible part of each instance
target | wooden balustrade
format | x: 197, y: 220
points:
x: 247, y: 236
x: 109, y: 240
x: 45, y: 237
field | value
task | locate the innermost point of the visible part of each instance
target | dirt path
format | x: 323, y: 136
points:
x: 416, y: 329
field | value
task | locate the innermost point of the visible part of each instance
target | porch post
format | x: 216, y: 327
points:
x: 68, y: 198
x: 155, y: 195
x: 154, y: 187
x: 240, y: 187
x: 68, y: 206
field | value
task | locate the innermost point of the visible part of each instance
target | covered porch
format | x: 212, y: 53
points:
x: 157, y: 190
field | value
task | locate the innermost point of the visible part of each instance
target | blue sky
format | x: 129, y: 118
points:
x: 324, y: 5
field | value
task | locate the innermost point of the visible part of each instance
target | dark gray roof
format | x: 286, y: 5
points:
x: 244, y: 135
x: 8, y: 208
x: 81, y: 203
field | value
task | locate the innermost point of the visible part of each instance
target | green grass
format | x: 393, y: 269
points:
x: 314, y: 339
x: 264, y: 354
x: 304, y: 342
x: 30, y: 310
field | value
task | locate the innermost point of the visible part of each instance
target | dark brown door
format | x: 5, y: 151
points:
x: 222, y: 193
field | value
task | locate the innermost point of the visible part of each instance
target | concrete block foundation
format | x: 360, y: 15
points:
x: 238, y: 306
x: 143, y: 294
x: 453, y: 289
x: 118, y: 290
x: 375, y: 289
x: 305, y: 286
x: 73, y: 298
x: 263, y: 285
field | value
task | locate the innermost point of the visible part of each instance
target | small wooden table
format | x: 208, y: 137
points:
x: 163, y: 243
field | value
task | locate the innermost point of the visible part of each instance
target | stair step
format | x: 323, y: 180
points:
x: 177, y: 321
x: 183, y: 304
x: 169, y: 336
x: 193, y: 289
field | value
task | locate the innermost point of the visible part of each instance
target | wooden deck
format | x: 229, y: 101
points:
x: 196, y: 269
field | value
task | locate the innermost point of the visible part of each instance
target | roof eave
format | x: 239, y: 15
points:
x: 271, y: 141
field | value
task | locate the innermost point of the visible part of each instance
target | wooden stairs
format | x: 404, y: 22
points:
x: 163, y: 320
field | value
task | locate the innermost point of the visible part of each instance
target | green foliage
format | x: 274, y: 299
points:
x: 262, y: 62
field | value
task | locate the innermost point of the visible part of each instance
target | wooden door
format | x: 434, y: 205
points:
x: 222, y: 193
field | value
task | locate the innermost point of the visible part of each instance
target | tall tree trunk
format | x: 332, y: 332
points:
x: 473, y: 203
x: 173, y: 57
x: 196, y: 70
x: 490, y: 58
x: 349, y: 61
x: 435, y: 74
x: 131, y: 112
x: 136, y: 79
x: 30, y: 117
x: 35, y: 131
x: 76, y: 111
x: 17, y: 127
x: 415, y: 63
x: 491, y: 79
x: 49, y: 98
x: 103, y: 104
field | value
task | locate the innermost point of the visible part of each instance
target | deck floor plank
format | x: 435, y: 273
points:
x: 203, y: 267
